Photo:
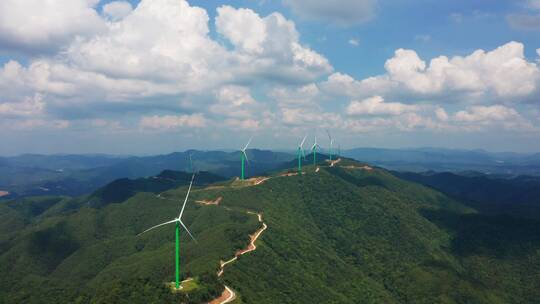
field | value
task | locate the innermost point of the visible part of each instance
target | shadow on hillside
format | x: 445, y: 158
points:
x: 496, y: 236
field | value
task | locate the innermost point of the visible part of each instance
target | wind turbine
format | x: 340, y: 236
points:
x: 244, y: 158
x: 314, y: 150
x: 301, y: 153
x: 331, y: 144
x: 178, y: 222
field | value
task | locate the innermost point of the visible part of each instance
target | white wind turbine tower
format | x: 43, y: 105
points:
x: 300, y: 152
x: 244, y: 158
x: 314, y: 150
x: 178, y: 222
x: 331, y: 144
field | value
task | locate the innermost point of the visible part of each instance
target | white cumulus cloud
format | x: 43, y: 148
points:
x: 476, y: 117
x: 268, y: 47
x: 503, y: 74
x: 117, y: 10
x: 377, y: 106
x: 38, y: 25
x: 29, y: 106
x: 167, y: 122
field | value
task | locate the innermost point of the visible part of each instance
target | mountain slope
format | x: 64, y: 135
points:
x: 349, y: 233
x: 517, y: 196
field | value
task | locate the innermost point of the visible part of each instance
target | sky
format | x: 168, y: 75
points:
x: 156, y: 76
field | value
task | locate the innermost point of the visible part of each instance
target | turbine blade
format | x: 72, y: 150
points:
x: 247, y: 144
x: 187, y: 230
x: 245, y: 155
x: 187, y: 195
x: 303, y: 141
x: 162, y: 224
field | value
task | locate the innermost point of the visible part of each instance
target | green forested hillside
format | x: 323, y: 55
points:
x: 515, y: 196
x: 343, y: 234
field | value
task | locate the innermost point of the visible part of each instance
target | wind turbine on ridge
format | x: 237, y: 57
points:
x: 244, y: 157
x: 331, y: 144
x: 314, y: 150
x: 300, y: 153
x: 178, y: 222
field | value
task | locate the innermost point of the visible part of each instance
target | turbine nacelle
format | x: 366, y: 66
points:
x: 315, y: 145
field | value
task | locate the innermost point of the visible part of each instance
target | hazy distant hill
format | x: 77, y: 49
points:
x: 344, y: 234
x: 442, y: 160
x: 81, y: 174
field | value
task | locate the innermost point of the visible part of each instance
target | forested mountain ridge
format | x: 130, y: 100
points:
x: 350, y: 233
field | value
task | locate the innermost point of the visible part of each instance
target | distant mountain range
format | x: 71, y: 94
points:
x: 73, y: 175
x: 447, y: 160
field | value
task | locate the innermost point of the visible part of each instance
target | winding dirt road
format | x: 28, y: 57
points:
x: 228, y: 294
x: 210, y: 203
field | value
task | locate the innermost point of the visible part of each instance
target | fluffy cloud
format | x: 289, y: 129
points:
x: 501, y: 74
x: 37, y: 25
x: 343, y: 84
x: 167, y: 122
x: 160, y: 41
x: 303, y: 95
x: 441, y: 114
x: 243, y: 27
x: 29, y: 106
x: 163, y: 47
x: 234, y: 101
x: 339, y: 12
x: 117, y: 10
x: 377, y: 106
x: 486, y: 113
x: 477, y: 116
x: 268, y: 47
x: 161, y: 56
x: 309, y: 118
x: 246, y: 124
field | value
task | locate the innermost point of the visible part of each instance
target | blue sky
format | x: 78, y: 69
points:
x: 164, y: 75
